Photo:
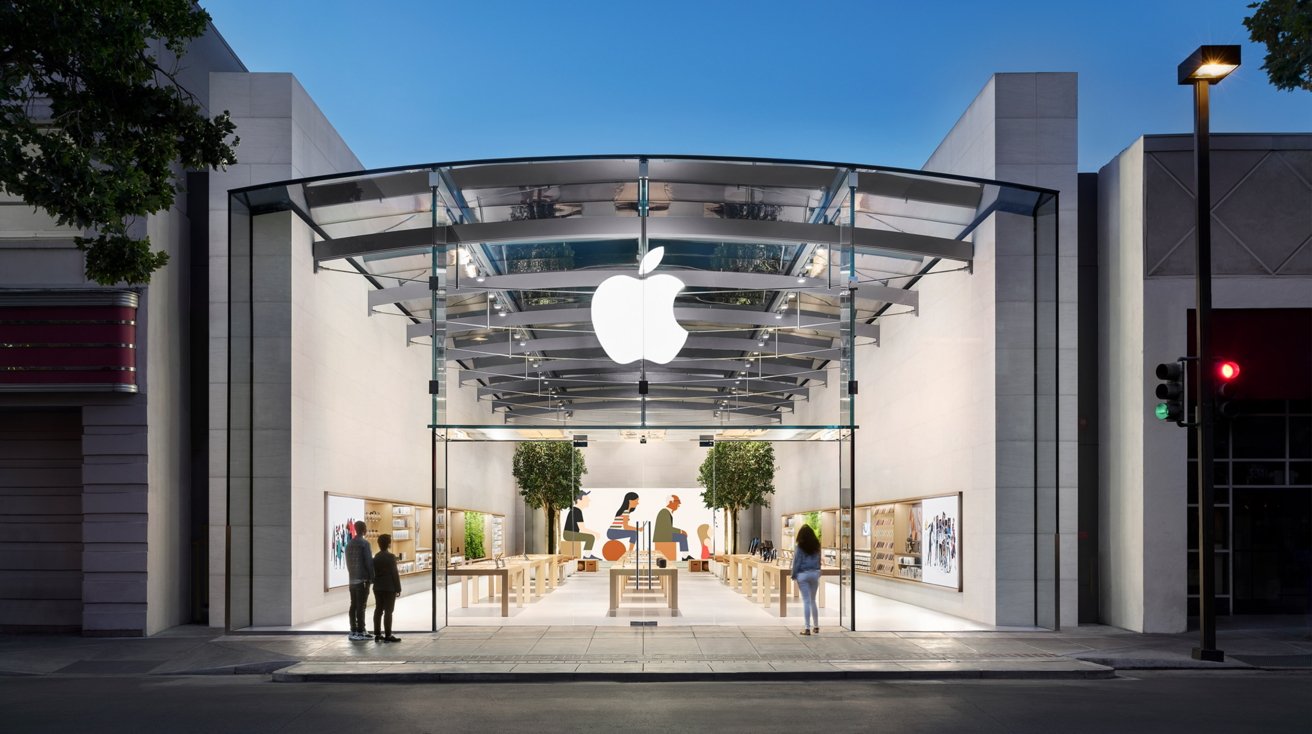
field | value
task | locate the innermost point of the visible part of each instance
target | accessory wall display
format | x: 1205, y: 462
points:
x: 403, y: 521
x: 916, y: 540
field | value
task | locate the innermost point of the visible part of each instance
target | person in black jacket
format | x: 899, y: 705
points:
x: 387, y: 587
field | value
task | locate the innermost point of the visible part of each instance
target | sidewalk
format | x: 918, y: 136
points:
x: 522, y: 654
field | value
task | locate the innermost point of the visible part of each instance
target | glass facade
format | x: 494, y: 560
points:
x: 680, y: 300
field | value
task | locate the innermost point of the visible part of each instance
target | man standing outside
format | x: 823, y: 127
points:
x: 360, y: 568
x: 665, y: 531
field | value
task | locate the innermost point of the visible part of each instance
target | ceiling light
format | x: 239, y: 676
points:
x: 801, y: 279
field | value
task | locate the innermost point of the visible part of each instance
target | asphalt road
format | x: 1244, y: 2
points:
x: 1148, y: 702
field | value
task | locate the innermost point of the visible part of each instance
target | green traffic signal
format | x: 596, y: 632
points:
x: 1171, y: 391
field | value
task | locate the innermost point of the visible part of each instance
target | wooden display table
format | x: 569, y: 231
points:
x: 503, y: 579
x: 771, y: 576
x: 543, y: 568
x: 619, y: 581
x: 552, y: 567
x: 740, y: 571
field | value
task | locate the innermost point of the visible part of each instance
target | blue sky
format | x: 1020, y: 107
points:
x: 876, y: 82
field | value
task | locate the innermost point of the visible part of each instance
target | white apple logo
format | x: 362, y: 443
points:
x: 634, y: 319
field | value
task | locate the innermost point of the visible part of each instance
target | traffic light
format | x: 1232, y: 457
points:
x: 1227, y: 378
x: 1170, y: 393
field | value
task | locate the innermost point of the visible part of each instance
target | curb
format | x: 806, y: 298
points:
x: 290, y: 675
x: 261, y: 668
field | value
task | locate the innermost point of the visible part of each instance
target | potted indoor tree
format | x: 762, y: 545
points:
x: 549, y: 474
x: 737, y: 475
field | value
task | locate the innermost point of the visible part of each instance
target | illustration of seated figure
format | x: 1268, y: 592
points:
x: 704, y: 536
x: 665, y: 536
x: 621, y: 529
x: 575, y: 531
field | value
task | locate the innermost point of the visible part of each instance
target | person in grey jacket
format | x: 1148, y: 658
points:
x: 360, y: 569
x: 806, y: 572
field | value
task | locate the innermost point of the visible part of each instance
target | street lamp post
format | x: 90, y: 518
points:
x: 1205, y: 67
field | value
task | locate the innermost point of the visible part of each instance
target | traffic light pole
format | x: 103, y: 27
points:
x: 1203, y: 395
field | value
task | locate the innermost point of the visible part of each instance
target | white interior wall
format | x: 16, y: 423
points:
x: 359, y: 415
x: 928, y: 420
x: 481, y: 473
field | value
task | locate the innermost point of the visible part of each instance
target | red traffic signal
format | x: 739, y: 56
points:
x: 1227, y: 371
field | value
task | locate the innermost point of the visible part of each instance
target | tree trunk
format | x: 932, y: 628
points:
x: 733, y: 530
x: 551, y: 529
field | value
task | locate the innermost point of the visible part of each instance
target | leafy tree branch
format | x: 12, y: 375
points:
x: 93, y: 123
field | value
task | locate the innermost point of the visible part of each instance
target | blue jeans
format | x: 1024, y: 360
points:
x: 682, y: 540
x: 809, y: 583
x: 618, y: 534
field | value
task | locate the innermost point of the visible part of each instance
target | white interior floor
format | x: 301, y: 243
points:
x: 703, y: 600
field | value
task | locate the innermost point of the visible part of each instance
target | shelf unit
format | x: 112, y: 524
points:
x: 406, y: 523
x: 790, y: 524
x: 885, y: 538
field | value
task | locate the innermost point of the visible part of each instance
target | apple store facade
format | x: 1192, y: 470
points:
x: 889, y: 337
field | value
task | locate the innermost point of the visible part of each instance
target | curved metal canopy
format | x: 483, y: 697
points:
x: 781, y: 261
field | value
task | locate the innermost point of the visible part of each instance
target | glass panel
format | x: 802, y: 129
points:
x: 1259, y: 473
x: 439, y: 390
x: 1259, y: 437
x: 847, y: 411
x: 1300, y: 437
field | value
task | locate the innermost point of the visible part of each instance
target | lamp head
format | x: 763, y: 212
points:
x: 1209, y: 63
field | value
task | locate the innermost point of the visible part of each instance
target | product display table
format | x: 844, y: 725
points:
x: 511, y: 575
x: 738, y: 571
x: 548, y: 571
x: 772, y: 576
x: 621, y: 578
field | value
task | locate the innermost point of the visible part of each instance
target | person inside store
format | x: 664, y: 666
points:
x: 806, y: 573
x: 360, y: 571
x: 387, y: 587
x: 622, y: 527
x: 576, y: 531
x: 665, y: 531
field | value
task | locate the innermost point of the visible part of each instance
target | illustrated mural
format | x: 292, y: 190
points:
x: 608, y: 521
x: 340, y: 517
x: 941, y: 541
